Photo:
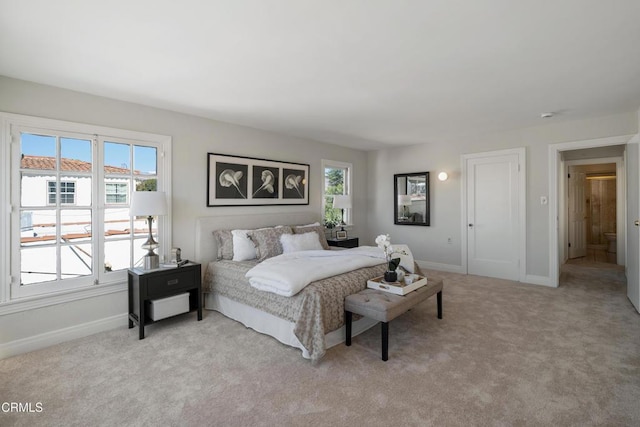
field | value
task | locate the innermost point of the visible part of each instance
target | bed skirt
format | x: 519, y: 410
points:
x: 274, y: 326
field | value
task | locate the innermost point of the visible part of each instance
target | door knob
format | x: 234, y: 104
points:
x: 636, y: 222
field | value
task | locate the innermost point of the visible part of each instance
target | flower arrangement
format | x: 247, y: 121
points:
x: 384, y: 242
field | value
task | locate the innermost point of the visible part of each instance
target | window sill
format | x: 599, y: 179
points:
x: 40, y: 301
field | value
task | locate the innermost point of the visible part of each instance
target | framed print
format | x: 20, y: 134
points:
x: 248, y: 181
x: 295, y: 183
x: 265, y: 182
x: 341, y: 235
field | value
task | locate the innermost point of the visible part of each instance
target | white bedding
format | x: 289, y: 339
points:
x: 288, y: 274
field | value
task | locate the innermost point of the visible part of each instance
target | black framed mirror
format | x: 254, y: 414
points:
x: 411, y: 198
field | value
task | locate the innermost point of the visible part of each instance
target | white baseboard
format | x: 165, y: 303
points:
x: 48, y: 339
x: 450, y: 268
x: 538, y: 280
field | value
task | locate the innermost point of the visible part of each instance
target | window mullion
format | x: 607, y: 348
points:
x: 98, y: 207
x: 58, y: 245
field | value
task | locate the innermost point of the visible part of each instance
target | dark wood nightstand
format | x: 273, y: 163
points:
x: 147, y: 285
x: 352, y: 242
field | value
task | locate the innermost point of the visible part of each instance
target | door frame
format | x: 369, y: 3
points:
x: 621, y: 185
x: 557, y: 168
x: 522, y: 206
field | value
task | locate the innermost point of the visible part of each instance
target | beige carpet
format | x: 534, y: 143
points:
x: 505, y: 354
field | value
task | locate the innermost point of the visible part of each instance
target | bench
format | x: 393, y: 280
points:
x: 385, y: 306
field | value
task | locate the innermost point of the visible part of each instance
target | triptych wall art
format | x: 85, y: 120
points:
x: 247, y: 181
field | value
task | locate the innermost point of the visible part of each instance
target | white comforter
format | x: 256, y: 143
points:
x: 288, y: 274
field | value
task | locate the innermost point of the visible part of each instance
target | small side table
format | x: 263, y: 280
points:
x: 145, y: 285
x: 352, y: 242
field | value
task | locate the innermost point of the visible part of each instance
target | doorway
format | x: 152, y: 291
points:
x: 559, y: 154
x: 592, y: 210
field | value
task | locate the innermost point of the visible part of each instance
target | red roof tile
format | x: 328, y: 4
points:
x: 49, y: 163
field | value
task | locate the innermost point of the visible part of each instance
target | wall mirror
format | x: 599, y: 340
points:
x: 411, y: 198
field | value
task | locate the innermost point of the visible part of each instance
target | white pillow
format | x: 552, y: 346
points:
x: 243, y: 247
x: 300, y: 242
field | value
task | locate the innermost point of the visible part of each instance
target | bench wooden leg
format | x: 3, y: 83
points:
x: 439, y: 298
x: 347, y: 324
x: 385, y: 340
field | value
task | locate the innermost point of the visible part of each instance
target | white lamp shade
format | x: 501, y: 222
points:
x: 148, y: 203
x: 404, y: 200
x: 342, y: 202
x: 442, y: 176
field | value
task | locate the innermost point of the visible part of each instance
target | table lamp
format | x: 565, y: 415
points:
x: 149, y: 203
x: 404, y: 200
x: 342, y: 202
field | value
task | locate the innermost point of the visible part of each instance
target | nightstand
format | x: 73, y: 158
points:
x: 147, y: 285
x: 352, y: 242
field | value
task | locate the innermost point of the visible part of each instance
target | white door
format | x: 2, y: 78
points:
x: 577, y: 213
x: 633, y: 215
x: 493, y: 205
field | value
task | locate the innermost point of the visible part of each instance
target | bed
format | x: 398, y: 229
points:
x: 312, y: 320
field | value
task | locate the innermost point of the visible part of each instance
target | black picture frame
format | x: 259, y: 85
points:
x: 251, y: 181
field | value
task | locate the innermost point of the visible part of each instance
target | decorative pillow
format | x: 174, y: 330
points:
x: 243, y: 248
x: 300, y: 242
x: 319, y: 229
x: 267, y: 241
x: 225, y: 244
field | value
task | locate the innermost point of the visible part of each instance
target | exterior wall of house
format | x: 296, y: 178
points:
x: 193, y: 137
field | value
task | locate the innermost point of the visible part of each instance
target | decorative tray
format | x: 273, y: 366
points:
x: 398, y: 288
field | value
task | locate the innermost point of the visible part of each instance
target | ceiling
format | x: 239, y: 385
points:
x: 366, y: 74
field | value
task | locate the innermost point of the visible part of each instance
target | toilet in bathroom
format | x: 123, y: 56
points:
x: 611, y: 242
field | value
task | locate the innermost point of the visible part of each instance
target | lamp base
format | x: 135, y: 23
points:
x: 151, y: 262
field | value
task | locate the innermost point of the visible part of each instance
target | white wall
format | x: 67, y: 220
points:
x: 192, y: 137
x: 429, y: 244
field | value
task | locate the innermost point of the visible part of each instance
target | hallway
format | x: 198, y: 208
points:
x: 596, y: 254
x: 597, y: 269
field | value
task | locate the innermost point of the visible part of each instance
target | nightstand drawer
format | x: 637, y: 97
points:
x: 169, y: 282
x: 352, y: 242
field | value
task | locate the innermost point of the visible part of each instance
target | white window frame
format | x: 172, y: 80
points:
x: 11, y: 299
x: 348, y: 213
x: 107, y: 194
x: 61, y: 192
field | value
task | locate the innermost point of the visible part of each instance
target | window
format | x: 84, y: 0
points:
x: 70, y: 193
x: 67, y: 192
x: 336, y: 180
x: 116, y: 192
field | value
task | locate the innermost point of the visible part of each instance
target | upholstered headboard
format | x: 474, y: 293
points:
x: 206, y: 246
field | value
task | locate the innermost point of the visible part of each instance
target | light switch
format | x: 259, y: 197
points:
x: 543, y: 200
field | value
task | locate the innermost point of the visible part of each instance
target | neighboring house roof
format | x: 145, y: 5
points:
x: 49, y: 163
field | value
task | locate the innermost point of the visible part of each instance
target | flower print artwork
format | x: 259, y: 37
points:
x: 232, y: 181
x: 248, y: 181
x: 294, y: 184
x: 265, y: 182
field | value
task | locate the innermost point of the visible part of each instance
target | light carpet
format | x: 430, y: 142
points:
x: 505, y: 354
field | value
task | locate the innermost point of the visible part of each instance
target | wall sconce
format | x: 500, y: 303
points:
x: 443, y: 176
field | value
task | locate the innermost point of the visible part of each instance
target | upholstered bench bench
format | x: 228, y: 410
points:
x: 385, y: 306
